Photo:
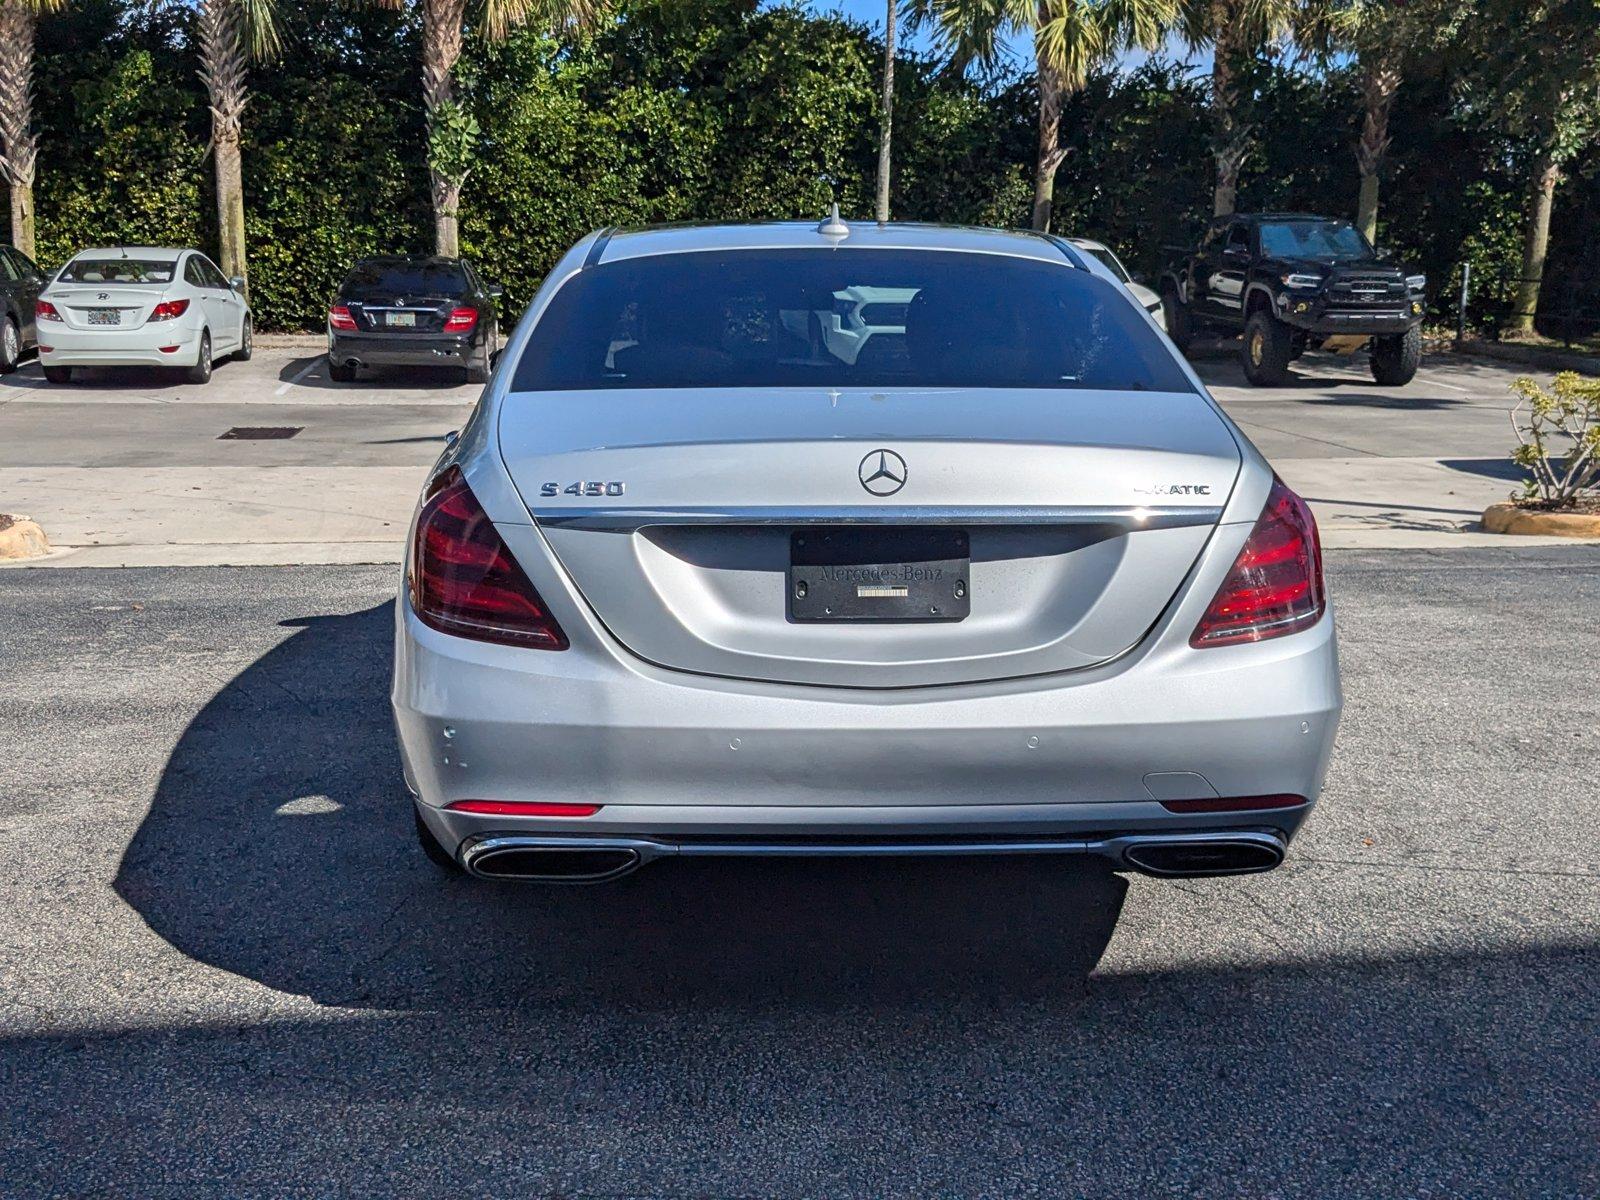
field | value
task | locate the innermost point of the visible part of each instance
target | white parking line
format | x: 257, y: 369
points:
x: 1437, y: 382
x: 310, y: 367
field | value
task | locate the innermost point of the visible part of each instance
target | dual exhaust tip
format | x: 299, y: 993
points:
x: 598, y: 860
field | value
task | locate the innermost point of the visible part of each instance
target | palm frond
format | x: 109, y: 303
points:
x: 496, y: 19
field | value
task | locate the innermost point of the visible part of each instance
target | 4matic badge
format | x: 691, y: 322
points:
x: 1175, y: 489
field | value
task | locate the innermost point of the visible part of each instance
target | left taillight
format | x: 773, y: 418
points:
x: 168, y: 310
x: 43, y: 310
x: 339, y: 318
x: 1275, y: 584
x: 464, y: 580
x: 460, y: 320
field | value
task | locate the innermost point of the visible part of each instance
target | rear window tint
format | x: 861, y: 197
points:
x: 118, y: 270
x: 441, y: 279
x: 844, y: 317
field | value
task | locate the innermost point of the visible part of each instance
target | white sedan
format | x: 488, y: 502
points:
x: 138, y: 306
x: 1147, y: 299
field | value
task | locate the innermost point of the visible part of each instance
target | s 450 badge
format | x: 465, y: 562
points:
x: 589, y: 487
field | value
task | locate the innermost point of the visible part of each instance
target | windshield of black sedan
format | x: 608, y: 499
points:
x: 843, y: 318
x: 1313, y: 239
x: 117, y: 270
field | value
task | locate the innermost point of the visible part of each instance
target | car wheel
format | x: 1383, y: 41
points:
x: 201, y: 371
x: 341, y: 372
x: 437, y: 854
x: 247, y: 341
x: 10, y: 347
x: 1395, y: 359
x: 58, y: 374
x: 1180, y: 328
x: 1266, y: 349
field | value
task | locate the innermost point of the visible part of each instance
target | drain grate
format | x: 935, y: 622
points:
x: 260, y: 433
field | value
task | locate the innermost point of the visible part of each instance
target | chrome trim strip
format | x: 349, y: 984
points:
x: 1128, y: 517
x: 1114, y: 848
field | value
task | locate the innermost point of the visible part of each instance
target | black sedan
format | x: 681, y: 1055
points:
x: 413, y: 310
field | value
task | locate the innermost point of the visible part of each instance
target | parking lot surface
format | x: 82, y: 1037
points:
x: 159, y: 482
x: 225, y: 970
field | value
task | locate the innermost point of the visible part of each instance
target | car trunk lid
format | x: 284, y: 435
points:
x: 111, y: 305
x: 1069, y: 518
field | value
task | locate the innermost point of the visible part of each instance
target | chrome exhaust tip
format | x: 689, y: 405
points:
x: 529, y: 861
x: 1199, y: 855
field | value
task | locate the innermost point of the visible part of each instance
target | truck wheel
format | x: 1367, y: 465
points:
x: 1395, y: 359
x: 1180, y: 328
x: 1267, y: 346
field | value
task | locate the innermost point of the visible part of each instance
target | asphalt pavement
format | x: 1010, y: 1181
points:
x: 226, y: 971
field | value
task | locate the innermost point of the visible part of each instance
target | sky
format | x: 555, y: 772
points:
x: 870, y: 12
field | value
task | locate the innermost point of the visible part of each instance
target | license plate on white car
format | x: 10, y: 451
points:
x: 105, y: 316
x: 402, y: 319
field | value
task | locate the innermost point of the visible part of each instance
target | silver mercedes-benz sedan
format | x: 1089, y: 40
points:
x: 703, y: 575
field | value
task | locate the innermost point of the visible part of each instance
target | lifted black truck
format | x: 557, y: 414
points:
x: 1292, y: 282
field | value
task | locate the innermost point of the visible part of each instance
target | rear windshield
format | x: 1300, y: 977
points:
x: 117, y: 270
x: 431, y: 279
x: 843, y: 318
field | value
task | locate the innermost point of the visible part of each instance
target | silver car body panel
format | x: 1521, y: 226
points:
x: 685, y: 709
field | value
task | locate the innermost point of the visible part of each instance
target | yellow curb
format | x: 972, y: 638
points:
x: 1512, y: 518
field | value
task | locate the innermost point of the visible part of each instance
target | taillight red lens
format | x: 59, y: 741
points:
x: 43, y: 310
x: 1275, y: 586
x: 339, y: 318
x: 464, y: 580
x: 460, y: 320
x: 168, y: 310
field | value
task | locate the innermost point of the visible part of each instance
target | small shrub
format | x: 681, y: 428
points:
x: 1558, y: 435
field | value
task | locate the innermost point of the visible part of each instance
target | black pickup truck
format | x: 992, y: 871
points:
x: 1293, y: 282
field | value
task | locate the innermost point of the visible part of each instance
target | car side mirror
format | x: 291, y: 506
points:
x: 496, y: 291
x: 237, y: 283
x: 1235, y: 252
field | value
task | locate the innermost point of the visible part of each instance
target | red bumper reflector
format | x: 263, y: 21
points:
x: 169, y: 349
x: 47, y: 349
x: 522, y: 808
x: 1233, y: 804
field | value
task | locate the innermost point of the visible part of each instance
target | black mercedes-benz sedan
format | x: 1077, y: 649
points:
x: 413, y: 310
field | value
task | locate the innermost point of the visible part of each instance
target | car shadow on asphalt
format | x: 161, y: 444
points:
x: 279, y: 846
x: 311, y: 371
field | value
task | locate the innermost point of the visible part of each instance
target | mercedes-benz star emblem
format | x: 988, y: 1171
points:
x: 882, y: 472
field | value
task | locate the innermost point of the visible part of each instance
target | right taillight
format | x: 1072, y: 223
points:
x: 1275, y: 585
x: 339, y: 318
x: 169, y: 310
x: 464, y: 580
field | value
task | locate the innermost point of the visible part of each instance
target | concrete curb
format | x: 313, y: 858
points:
x: 21, y: 538
x: 1511, y: 518
x: 1533, y: 356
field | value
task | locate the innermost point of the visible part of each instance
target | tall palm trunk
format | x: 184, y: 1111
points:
x: 18, y: 23
x: 441, y: 49
x: 1048, y: 162
x: 886, y: 128
x: 1535, y: 241
x: 1230, y: 139
x: 1379, y: 83
x: 223, y: 55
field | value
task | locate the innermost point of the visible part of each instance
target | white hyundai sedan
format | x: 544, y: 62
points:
x: 141, y: 306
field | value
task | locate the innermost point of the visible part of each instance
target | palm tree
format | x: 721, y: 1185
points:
x: 232, y: 34
x: 1234, y: 29
x: 1072, y: 39
x: 452, y: 130
x: 886, y: 121
x: 19, y: 147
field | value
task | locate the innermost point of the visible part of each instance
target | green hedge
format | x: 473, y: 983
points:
x: 710, y: 110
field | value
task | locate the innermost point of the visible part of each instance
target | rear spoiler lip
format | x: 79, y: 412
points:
x: 1127, y: 518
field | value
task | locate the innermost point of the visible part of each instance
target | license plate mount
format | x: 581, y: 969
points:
x: 401, y: 319
x: 879, y: 573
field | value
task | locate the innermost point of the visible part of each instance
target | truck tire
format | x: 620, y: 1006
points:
x: 1395, y: 358
x: 1268, y: 344
x: 1180, y: 326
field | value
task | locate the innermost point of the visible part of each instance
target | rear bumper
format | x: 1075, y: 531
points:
x: 401, y: 350
x: 118, y: 348
x: 686, y: 758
